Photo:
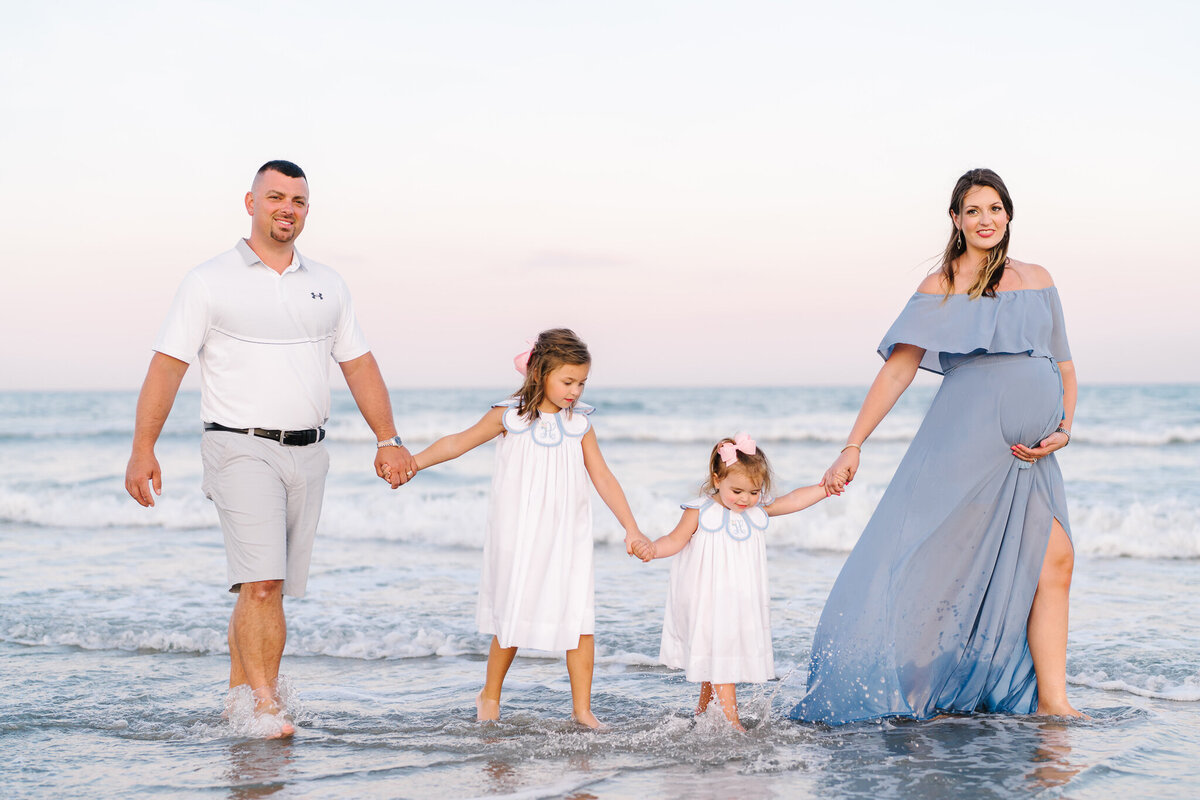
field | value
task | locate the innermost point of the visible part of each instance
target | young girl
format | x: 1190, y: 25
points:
x: 536, y: 590
x: 718, y: 624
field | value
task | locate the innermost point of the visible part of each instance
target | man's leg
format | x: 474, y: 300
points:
x: 258, y: 632
x: 243, y: 478
x: 237, y: 676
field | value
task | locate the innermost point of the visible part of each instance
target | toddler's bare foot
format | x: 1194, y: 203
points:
x: 486, y: 710
x: 732, y: 715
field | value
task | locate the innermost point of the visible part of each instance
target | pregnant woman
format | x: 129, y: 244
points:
x: 954, y: 599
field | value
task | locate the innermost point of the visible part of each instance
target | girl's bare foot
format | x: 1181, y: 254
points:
x: 587, y: 719
x: 486, y: 710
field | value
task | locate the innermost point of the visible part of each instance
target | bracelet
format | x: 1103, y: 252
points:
x: 851, y: 444
x: 1064, y: 432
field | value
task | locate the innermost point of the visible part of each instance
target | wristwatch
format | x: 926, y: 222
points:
x: 395, y: 441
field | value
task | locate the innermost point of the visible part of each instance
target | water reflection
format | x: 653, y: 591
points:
x: 1051, y: 756
x: 501, y: 777
x: 259, y: 767
x: 506, y: 777
x: 980, y: 756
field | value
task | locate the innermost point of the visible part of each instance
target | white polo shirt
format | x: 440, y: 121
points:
x: 264, y: 340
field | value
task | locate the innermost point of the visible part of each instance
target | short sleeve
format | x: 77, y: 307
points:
x: 184, y: 330
x: 349, y: 342
x: 1060, y: 350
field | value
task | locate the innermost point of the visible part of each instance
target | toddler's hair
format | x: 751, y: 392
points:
x: 552, y: 349
x: 755, y: 468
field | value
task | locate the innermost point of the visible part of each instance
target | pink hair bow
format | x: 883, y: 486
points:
x: 521, y: 360
x: 729, y: 450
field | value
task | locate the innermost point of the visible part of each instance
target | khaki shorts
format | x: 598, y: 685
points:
x: 268, y: 497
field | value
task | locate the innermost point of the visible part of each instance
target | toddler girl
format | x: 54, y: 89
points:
x: 717, y: 624
x: 536, y: 590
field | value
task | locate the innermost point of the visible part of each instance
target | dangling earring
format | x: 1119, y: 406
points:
x: 960, y: 243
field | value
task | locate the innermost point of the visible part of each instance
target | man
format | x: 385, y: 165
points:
x: 263, y: 321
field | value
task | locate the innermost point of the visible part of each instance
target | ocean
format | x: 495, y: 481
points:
x: 112, y: 618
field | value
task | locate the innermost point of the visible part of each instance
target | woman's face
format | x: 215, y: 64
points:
x: 983, y: 220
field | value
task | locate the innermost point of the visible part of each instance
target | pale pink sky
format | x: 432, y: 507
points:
x: 719, y: 193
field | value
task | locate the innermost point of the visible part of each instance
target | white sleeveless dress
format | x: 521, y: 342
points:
x: 537, y: 589
x: 718, y: 619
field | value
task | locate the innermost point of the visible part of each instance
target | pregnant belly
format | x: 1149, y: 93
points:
x: 1022, y: 392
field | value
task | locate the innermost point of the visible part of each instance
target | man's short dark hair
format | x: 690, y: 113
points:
x: 283, y: 167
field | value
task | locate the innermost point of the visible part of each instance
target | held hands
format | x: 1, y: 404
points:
x: 143, y: 468
x: 841, y: 472
x: 644, y: 549
x: 1055, y: 441
x: 638, y: 544
x: 395, y: 465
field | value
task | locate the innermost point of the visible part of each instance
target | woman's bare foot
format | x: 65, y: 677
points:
x: 486, y: 710
x: 1061, y: 708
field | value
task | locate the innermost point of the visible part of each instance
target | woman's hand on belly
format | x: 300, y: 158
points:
x: 1055, y: 441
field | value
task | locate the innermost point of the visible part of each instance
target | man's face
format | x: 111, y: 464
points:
x: 278, y: 205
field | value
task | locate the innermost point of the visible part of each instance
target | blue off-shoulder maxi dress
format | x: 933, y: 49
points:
x: 930, y: 610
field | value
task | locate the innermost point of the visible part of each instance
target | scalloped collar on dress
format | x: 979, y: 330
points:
x: 548, y: 430
x: 715, y: 518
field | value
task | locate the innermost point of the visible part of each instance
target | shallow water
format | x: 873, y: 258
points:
x: 112, y: 621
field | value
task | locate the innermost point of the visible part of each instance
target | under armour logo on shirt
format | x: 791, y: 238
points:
x: 317, y: 296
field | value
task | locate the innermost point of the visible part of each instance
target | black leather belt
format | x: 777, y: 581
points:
x: 289, y: 438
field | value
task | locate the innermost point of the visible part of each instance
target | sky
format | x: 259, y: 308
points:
x: 709, y: 193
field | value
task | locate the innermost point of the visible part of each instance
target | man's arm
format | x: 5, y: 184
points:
x: 154, y: 405
x: 371, y: 395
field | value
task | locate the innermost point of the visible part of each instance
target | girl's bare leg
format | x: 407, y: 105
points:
x: 705, y: 697
x: 727, y: 697
x: 580, y: 663
x: 1047, y: 631
x: 487, y: 704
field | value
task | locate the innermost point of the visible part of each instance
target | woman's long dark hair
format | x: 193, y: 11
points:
x: 992, y: 268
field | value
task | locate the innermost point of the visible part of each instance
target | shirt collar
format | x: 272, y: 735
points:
x: 251, y: 258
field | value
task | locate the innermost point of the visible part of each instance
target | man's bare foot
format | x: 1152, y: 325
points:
x: 486, y: 710
x: 586, y: 719
x: 275, y: 723
x: 275, y: 726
